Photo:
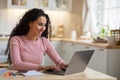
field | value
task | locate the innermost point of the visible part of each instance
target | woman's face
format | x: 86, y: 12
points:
x: 38, y: 27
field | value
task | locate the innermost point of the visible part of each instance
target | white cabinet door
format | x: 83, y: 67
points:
x: 67, y: 51
x: 99, y: 60
x: 58, y: 46
x: 113, y: 62
x: 26, y: 4
x: 19, y: 3
x: 3, y: 45
x: 61, y: 5
x: 102, y: 59
x: 43, y: 4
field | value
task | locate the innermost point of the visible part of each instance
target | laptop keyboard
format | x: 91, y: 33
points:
x: 62, y: 71
x: 51, y: 70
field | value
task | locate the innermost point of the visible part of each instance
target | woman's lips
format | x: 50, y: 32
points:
x: 40, y: 32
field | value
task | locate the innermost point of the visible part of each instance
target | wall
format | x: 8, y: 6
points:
x: 70, y: 20
x: 8, y: 17
x: 76, y: 17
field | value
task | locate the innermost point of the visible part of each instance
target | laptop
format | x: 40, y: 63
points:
x: 78, y: 63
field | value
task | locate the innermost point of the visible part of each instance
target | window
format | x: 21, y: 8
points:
x: 109, y: 13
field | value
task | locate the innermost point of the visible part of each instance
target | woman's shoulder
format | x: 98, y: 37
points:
x: 46, y: 41
x: 44, y: 38
x: 16, y: 38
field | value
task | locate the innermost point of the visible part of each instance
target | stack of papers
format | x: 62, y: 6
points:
x: 32, y: 73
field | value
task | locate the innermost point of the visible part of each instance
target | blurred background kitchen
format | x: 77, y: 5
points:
x: 63, y: 13
x: 75, y: 23
x: 83, y: 16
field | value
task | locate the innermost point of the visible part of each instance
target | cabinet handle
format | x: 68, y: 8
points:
x: 101, y: 49
x: 87, y: 47
x: 73, y: 44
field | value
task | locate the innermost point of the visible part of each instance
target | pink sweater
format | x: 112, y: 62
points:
x: 28, y: 55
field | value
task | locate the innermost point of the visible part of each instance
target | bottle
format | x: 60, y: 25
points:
x: 73, y: 35
x: 60, y: 31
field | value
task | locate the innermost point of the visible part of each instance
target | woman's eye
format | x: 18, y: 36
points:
x: 40, y: 24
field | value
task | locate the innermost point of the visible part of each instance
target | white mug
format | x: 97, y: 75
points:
x: 111, y: 40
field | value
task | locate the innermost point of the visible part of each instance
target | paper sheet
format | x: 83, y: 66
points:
x: 32, y: 73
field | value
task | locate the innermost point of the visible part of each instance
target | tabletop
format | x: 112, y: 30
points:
x: 88, y: 74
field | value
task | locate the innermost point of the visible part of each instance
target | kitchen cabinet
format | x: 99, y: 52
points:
x: 61, y: 5
x: 103, y: 59
x: 19, y: 3
x: 58, y: 46
x: 26, y: 4
x: 3, y: 44
x: 43, y: 4
x: 99, y: 60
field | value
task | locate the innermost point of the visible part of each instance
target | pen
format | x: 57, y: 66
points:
x: 13, y: 74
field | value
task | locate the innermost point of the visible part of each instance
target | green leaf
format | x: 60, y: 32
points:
x: 103, y: 30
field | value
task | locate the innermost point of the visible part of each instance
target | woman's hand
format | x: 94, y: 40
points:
x: 63, y: 65
x: 49, y: 67
x: 52, y: 67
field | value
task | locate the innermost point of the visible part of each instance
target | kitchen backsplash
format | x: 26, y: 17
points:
x: 10, y: 17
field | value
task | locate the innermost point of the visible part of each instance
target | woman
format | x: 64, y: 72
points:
x: 28, y: 43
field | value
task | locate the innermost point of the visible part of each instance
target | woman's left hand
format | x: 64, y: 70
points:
x: 63, y: 65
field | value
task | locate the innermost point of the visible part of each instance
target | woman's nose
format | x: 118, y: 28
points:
x: 41, y: 28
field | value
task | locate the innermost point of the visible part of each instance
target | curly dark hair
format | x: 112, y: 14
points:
x: 22, y: 27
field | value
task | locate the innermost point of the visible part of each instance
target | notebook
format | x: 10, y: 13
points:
x: 78, y: 63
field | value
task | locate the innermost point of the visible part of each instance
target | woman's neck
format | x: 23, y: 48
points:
x: 31, y: 37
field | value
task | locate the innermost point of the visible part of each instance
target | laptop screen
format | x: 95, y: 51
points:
x: 79, y: 61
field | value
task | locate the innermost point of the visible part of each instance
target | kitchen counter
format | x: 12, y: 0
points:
x: 80, y: 41
x: 88, y: 74
x: 88, y: 42
x: 4, y: 38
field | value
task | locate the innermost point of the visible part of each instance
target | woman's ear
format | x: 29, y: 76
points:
x: 30, y: 24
